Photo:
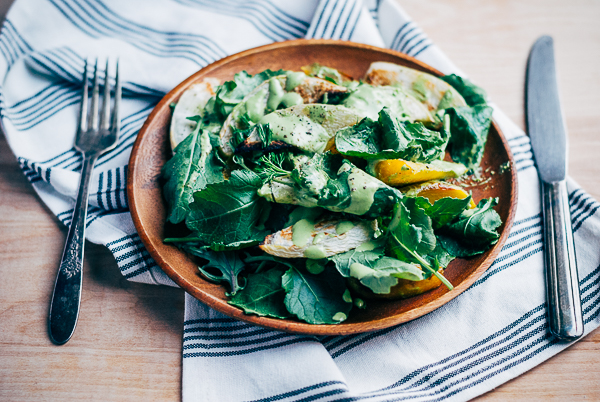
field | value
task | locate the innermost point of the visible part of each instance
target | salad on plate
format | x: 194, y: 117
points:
x: 309, y: 193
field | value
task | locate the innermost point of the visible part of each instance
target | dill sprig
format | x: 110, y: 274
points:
x: 270, y: 166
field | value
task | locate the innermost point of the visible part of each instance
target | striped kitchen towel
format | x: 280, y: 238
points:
x: 491, y: 333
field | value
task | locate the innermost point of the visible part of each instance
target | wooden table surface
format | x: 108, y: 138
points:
x: 127, y: 345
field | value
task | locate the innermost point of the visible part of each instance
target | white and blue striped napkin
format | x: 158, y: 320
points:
x: 493, y: 332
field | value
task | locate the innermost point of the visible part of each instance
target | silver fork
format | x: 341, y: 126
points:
x: 92, y: 140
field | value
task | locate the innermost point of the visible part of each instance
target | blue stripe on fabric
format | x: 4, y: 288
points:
x: 393, y: 44
x: 241, y: 343
x: 99, y: 200
x: 246, y: 351
x: 212, y: 321
x: 63, y: 62
x: 351, y: 33
x: 353, y: 24
x: 96, y: 20
x: 407, y: 41
x: 118, y: 189
x: 340, y: 17
x: 312, y: 31
x: 540, y: 329
x: 401, y: 39
x: 109, y: 190
x: 261, y: 15
x: 330, y: 16
x: 237, y: 335
x: 418, y: 52
x: 410, y: 49
x: 300, y: 391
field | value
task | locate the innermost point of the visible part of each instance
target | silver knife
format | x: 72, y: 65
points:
x: 547, y: 132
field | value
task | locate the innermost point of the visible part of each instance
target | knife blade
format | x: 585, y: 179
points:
x: 547, y: 132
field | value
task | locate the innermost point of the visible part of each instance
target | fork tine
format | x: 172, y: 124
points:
x: 105, y: 113
x: 84, y: 96
x: 115, y: 114
x: 95, y: 92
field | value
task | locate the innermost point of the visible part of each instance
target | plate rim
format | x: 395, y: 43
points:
x: 292, y: 325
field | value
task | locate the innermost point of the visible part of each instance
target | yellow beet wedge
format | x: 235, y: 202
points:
x: 434, y: 190
x: 398, y: 172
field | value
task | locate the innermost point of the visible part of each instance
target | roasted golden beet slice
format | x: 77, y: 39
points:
x: 435, y: 189
x: 398, y: 172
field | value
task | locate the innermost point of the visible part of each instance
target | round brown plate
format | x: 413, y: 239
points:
x: 152, y: 150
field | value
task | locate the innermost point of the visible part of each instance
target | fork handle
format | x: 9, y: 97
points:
x: 562, y: 283
x: 64, y: 308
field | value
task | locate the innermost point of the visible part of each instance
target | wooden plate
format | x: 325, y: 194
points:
x: 151, y: 150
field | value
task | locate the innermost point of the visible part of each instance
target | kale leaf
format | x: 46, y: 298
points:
x: 263, y: 295
x: 413, y: 228
x: 316, y: 299
x: 443, y: 210
x: 469, y: 127
x: 227, y: 213
x: 227, y: 262
x: 194, y: 165
x: 413, y: 237
x: 473, y: 94
x: 474, y: 231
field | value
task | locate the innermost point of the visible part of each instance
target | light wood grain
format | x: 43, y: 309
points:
x: 127, y: 345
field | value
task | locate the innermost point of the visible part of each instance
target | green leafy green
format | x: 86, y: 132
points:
x: 343, y: 261
x: 263, y: 295
x: 193, y: 166
x: 348, y: 189
x: 438, y: 258
x: 443, y: 210
x: 391, y: 138
x: 228, y: 212
x: 233, y: 92
x: 316, y: 299
x: 384, y: 273
x: 271, y: 165
x: 412, y: 227
x: 227, y: 262
x: 474, y: 231
x: 412, y: 231
x: 473, y: 94
x: 469, y: 127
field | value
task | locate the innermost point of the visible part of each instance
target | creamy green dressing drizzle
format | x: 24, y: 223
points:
x: 276, y: 92
x: 255, y: 105
x: 419, y: 86
x: 347, y: 297
x: 297, y: 130
x: 370, y: 100
x: 339, y: 316
x: 319, y: 236
x: 359, y: 271
x: 278, y: 96
x: 302, y: 232
x: 362, y: 189
x: 343, y: 227
x: 367, y: 246
x: 315, y: 252
x: 294, y: 78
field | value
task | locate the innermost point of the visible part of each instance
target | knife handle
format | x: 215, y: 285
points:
x: 562, y: 280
